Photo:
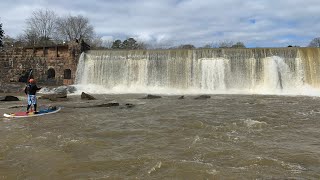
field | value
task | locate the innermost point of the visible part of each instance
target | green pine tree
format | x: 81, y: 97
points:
x: 1, y: 35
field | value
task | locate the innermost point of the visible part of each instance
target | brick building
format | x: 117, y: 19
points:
x: 55, y: 65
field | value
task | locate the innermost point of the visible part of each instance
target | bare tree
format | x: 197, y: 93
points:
x: 41, y: 24
x: 207, y: 46
x: 95, y: 42
x: 142, y: 45
x: 107, y: 44
x: 75, y: 27
x: 30, y: 38
x: 225, y: 44
x: 315, y: 42
x: 8, y: 41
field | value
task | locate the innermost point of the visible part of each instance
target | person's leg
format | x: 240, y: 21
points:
x: 34, y: 102
x: 29, y: 103
x: 28, y: 107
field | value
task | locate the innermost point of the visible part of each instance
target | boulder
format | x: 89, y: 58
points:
x: 9, y: 98
x: 71, y: 89
x: 61, y: 90
x: 149, y: 96
x: 57, y: 90
x: 129, y: 105
x: 107, y: 104
x: 203, y: 97
x: 87, y: 96
x: 181, y: 97
x: 45, y: 90
x: 53, y: 96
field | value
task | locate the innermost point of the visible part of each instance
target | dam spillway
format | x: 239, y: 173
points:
x: 294, y: 71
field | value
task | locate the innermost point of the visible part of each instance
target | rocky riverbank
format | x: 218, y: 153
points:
x: 12, y: 87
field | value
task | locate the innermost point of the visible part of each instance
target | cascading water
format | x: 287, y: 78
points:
x: 245, y: 71
x: 213, y: 74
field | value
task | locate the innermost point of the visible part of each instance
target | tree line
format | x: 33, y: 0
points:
x: 1, y: 35
x: 131, y: 43
x: 45, y: 27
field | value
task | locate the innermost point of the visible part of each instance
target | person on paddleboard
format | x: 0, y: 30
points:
x: 31, y: 90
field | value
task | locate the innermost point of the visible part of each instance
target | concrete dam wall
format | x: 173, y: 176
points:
x: 294, y: 71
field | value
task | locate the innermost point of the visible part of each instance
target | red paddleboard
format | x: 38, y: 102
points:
x: 42, y: 112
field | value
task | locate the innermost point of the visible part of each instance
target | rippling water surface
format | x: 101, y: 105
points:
x: 224, y: 137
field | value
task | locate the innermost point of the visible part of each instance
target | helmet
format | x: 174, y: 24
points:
x: 31, y: 80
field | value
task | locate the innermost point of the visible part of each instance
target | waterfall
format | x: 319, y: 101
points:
x: 213, y: 71
x: 213, y: 75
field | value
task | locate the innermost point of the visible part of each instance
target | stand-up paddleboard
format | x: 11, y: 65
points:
x: 42, y: 112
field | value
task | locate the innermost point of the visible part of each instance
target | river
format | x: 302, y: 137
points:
x: 223, y: 137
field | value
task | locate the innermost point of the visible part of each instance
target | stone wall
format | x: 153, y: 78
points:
x: 55, y: 65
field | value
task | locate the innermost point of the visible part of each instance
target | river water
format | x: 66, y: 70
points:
x: 224, y: 137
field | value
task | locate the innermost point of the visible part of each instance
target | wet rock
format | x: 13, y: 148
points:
x: 55, y: 94
x: 45, y: 90
x: 202, y: 97
x: 61, y: 90
x: 107, y: 104
x: 71, y: 89
x: 149, y: 96
x: 181, y: 97
x: 57, y: 90
x: 53, y: 97
x: 129, y: 105
x: 86, y: 96
x: 9, y: 98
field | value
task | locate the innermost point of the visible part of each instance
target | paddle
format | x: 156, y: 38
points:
x: 29, y: 76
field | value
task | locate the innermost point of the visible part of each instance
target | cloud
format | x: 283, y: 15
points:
x: 256, y: 23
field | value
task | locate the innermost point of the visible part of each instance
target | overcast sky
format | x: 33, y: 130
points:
x: 257, y: 23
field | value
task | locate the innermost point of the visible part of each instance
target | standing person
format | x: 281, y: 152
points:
x: 31, y: 90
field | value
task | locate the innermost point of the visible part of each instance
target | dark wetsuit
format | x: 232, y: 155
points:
x: 31, y: 91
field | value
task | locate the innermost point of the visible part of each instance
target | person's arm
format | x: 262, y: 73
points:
x: 38, y: 88
x: 26, y: 90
